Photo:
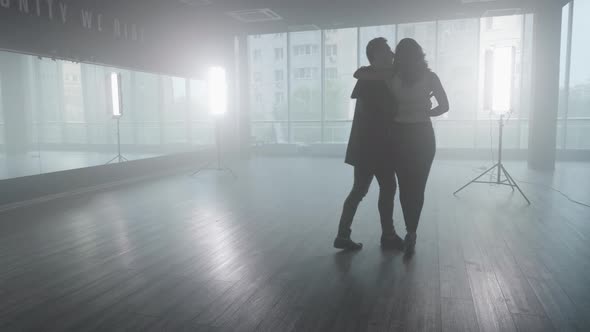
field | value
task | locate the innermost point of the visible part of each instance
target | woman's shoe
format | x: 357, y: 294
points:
x: 410, y: 242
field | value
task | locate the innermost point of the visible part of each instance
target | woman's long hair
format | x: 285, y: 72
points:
x: 409, y: 62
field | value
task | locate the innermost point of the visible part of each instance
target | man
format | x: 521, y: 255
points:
x: 370, y: 151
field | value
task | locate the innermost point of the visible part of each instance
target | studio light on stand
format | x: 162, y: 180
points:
x: 114, y: 96
x: 217, y: 108
x: 499, y: 85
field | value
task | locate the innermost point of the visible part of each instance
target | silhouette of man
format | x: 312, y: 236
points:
x: 370, y: 151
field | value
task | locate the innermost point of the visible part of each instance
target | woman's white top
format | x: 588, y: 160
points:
x: 413, y: 101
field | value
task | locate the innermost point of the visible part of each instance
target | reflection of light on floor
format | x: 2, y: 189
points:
x: 122, y: 240
x: 221, y: 244
x: 89, y: 223
x: 83, y: 232
x: 117, y: 217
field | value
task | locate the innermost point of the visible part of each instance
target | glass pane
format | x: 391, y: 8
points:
x: 306, y: 132
x: 305, y: 61
x: 457, y: 57
x: 2, y: 141
x: 527, y: 81
x: 55, y: 116
x: 337, y: 132
x: 20, y: 143
x: 578, y: 135
x: 268, y: 77
x: 269, y: 133
x: 455, y: 134
x: 72, y: 85
x: 100, y: 125
x: 340, y: 63
x: 146, y: 98
x: 54, y: 131
x: 560, y: 141
x: 175, y: 114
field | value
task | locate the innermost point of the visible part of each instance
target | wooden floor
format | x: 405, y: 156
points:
x: 210, y: 253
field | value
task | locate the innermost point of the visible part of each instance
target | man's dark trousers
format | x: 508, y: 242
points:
x: 370, y: 151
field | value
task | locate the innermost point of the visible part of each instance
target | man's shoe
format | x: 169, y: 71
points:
x: 346, y: 244
x: 392, y: 241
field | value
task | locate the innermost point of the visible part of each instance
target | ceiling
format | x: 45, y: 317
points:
x: 185, y: 36
x: 212, y: 16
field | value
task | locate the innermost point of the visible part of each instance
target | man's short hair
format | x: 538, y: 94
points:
x: 373, y: 46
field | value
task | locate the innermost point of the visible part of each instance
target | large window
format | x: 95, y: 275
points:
x: 268, y: 82
x: 54, y: 115
x: 319, y: 64
x: 573, y: 121
x: 175, y: 116
x: 339, y: 67
x: 457, y: 68
x: 72, y: 92
x: 340, y: 62
x: 305, y: 99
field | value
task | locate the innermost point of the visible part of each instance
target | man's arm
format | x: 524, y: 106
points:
x: 375, y: 95
x: 441, y: 97
x: 373, y: 74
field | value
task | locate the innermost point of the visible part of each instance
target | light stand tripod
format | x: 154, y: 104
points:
x: 218, y: 152
x: 508, y: 181
x: 119, y: 157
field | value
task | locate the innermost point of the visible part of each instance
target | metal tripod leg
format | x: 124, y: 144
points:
x: 218, y: 150
x: 477, y: 178
x: 216, y: 169
x: 514, y: 184
x: 220, y: 169
x: 202, y: 169
x: 110, y: 161
x: 118, y: 158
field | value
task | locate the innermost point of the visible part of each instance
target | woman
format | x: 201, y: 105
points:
x: 413, y: 84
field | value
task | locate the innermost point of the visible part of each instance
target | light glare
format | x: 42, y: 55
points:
x: 217, y: 91
x: 116, y: 99
x: 502, y: 79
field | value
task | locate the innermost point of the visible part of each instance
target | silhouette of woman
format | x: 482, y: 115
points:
x: 413, y: 84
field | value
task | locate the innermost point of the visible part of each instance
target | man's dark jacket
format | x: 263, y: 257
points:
x: 370, y: 142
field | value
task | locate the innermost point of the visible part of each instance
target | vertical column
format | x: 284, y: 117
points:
x: 241, y: 97
x: 61, y: 105
x: 188, y: 111
x: 288, y: 87
x: 322, y: 84
x: 161, y: 116
x: 543, y: 117
x: 88, y: 79
x: 568, y: 64
x: 132, y: 115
